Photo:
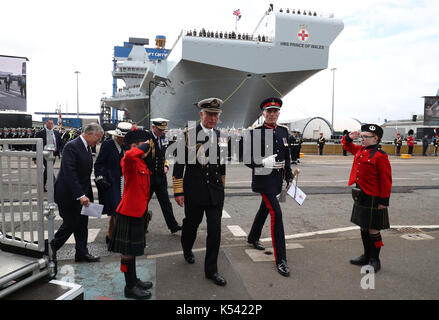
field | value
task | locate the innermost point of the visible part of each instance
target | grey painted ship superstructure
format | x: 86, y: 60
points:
x: 241, y: 72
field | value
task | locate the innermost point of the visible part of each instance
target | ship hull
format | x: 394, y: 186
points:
x: 241, y: 92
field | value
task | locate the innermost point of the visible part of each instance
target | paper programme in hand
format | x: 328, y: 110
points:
x: 296, y: 193
x: 93, y: 210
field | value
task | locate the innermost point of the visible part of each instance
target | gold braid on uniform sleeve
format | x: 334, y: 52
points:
x: 178, y: 186
x: 166, y: 163
x: 224, y: 180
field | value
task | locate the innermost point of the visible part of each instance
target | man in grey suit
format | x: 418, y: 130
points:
x: 73, y: 190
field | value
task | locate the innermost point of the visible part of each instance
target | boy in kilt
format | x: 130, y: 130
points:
x: 372, y: 173
x: 128, y: 236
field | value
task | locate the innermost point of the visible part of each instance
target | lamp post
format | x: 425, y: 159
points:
x: 77, y: 94
x: 333, y: 88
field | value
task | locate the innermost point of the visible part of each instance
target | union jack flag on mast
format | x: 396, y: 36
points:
x: 237, y: 14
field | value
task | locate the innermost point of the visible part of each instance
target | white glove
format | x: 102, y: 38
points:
x: 269, y: 162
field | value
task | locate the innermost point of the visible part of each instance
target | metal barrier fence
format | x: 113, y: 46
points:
x: 22, y: 211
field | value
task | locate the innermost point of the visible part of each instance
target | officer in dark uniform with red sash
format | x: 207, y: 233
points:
x: 267, y: 177
x: 372, y: 174
x: 199, y: 180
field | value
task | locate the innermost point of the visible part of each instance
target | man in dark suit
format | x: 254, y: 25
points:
x: 50, y: 137
x: 108, y: 172
x: 158, y: 165
x: 199, y: 180
x: 73, y: 190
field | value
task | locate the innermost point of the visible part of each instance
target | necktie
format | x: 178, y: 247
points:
x: 90, y: 155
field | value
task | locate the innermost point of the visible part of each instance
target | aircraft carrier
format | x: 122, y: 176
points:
x: 286, y: 48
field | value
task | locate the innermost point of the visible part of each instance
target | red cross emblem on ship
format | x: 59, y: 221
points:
x: 303, y: 34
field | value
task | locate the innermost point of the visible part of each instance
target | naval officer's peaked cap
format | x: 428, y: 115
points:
x: 374, y: 128
x: 210, y: 105
x: 271, y: 103
x: 160, y: 123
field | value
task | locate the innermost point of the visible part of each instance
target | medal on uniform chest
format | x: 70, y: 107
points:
x: 285, y: 141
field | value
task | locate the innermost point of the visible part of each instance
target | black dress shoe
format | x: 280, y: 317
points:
x: 360, y: 261
x: 144, y: 285
x: 257, y: 245
x: 283, y: 269
x: 217, y: 279
x: 136, y: 293
x: 87, y: 258
x: 189, y: 257
x: 176, y: 229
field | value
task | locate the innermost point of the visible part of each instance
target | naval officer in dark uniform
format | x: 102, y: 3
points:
x: 267, y: 177
x: 199, y: 180
x: 158, y: 165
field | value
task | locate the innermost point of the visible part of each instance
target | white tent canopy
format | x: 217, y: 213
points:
x: 311, y: 127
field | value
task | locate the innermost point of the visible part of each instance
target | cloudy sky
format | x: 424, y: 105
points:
x: 386, y: 56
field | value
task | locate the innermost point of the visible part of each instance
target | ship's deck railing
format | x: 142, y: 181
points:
x: 227, y: 35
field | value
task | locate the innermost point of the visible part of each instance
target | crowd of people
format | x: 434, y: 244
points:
x: 131, y: 166
x: 426, y: 140
x: 226, y: 35
x: 22, y: 133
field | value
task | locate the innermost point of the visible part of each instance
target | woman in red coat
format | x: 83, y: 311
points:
x: 128, y: 236
x: 372, y: 174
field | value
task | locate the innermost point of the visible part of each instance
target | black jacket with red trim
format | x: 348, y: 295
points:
x: 265, y: 180
x: 371, y: 170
